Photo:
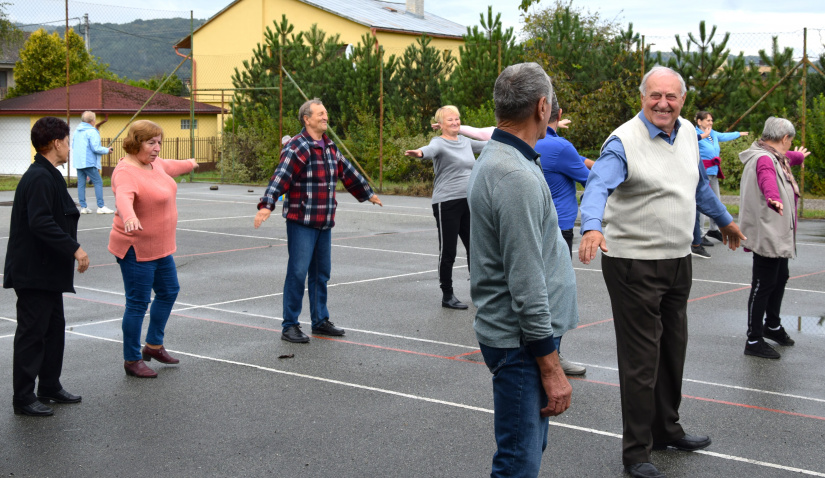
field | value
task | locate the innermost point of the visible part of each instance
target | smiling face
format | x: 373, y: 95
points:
x: 316, y: 121
x: 663, y: 100
x: 706, y: 123
x: 149, y: 150
x: 450, y: 123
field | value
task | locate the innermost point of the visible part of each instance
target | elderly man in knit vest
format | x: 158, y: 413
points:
x: 650, y: 169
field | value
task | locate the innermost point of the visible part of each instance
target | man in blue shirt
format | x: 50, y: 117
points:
x: 563, y: 167
x: 650, y: 168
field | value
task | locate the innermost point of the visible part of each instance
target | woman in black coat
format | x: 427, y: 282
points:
x: 40, y: 267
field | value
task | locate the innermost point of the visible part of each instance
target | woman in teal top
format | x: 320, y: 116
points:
x: 709, y: 150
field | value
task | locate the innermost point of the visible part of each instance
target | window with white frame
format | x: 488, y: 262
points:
x: 186, y: 124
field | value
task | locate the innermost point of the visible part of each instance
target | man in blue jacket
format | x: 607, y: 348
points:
x: 563, y: 167
x: 86, y: 153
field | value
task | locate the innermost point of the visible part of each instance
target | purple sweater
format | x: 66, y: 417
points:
x: 766, y: 175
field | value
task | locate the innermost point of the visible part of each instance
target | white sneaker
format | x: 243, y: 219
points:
x: 104, y: 210
x: 571, y: 368
x: 85, y: 210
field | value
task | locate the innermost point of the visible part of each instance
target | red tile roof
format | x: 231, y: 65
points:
x: 101, y: 96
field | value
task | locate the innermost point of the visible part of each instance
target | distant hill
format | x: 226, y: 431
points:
x: 140, y: 49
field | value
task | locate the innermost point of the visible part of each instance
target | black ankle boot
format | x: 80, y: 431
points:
x: 450, y: 301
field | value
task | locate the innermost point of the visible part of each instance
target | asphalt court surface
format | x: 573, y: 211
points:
x: 405, y: 392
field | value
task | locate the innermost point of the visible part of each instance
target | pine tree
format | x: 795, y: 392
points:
x: 420, y: 75
x: 485, y: 53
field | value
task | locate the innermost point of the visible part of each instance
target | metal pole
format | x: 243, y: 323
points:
x: 643, y: 63
x: 380, y: 118
x: 281, y: 87
x: 221, y: 132
x: 192, y: 95
x: 68, y: 108
x: 804, y: 117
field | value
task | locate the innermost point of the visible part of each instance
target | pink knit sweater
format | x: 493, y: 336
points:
x: 148, y: 195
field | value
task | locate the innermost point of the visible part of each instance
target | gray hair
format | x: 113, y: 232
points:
x: 518, y: 89
x: 306, y: 110
x: 662, y: 69
x: 554, y: 109
x: 88, y: 117
x: 777, y: 128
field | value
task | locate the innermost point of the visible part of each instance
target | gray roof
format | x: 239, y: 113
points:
x: 389, y: 15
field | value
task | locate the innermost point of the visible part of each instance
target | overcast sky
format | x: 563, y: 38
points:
x: 750, y: 22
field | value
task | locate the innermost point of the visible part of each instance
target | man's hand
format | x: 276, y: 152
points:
x: 555, y: 385
x: 194, y: 163
x: 375, y: 200
x: 564, y: 123
x: 262, y: 216
x: 592, y: 241
x: 731, y: 235
x: 82, y: 260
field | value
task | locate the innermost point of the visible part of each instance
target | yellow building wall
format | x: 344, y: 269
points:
x: 226, y: 41
x: 171, y: 125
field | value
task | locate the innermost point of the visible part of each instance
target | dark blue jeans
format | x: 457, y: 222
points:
x: 94, y: 175
x: 310, y: 252
x: 518, y: 397
x: 139, y: 279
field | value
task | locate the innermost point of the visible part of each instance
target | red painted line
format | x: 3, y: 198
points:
x: 719, y: 293
x: 581, y: 326
x: 735, y: 404
x: 806, y: 275
x: 466, y: 354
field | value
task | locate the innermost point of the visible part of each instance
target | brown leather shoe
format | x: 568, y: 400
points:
x: 161, y: 355
x: 139, y: 369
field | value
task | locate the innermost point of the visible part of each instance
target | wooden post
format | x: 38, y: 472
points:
x: 192, y: 93
x: 380, y: 118
x: 804, y: 117
x: 281, y: 87
x: 68, y: 108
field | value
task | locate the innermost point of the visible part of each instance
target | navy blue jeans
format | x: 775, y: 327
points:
x: 310, y: 253
x: 94, y: 175
x: 139, y: 279
x: 518, y: 397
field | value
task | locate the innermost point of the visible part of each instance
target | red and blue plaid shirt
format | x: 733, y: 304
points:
x: 307, y: 174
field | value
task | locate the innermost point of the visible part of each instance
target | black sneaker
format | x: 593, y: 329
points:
x: 761, y: 349
x: 293, y: 334
x: 706, y: 242
x: 328, y: 328
x: 715, y: 234
x: 779, y: 336
x: 699, y: 251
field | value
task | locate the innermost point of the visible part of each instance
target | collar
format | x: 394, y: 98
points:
x: 552, y: 132
x: 654, y: 130
x: 511, y: 140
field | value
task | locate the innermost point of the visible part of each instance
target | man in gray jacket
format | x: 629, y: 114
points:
x: 521, y: 275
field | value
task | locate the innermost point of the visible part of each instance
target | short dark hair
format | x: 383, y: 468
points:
x: 554, y: 109
x: 46, y: 130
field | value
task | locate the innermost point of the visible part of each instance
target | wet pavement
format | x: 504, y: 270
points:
x: 404, y: 393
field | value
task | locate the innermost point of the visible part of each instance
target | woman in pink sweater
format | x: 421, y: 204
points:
x: 143, y: 240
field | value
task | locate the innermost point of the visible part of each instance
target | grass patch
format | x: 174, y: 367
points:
x: 806, y: 213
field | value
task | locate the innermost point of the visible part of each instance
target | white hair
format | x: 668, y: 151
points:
x: 777, y: 128
x: 662, y: 69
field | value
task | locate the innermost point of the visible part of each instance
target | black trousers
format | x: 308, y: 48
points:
x: 38, y: 343
x: 767, y: 290
x: 453, y: 221
x: 567, y: 234
x: 649, y: 301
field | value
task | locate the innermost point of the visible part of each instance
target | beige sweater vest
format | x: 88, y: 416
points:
x: 651, y: 214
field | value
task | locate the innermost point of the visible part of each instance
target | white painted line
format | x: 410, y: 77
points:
x: 458, y: 405
x: 6, y: 336
x: 233, y: 235
x: 87, y: 324
x: 10, y: 320
x: 809, y: 244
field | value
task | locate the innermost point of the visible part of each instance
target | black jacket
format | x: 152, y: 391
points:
x: 43, y: 232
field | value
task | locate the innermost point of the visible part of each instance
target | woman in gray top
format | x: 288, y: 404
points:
x: 453, y: 158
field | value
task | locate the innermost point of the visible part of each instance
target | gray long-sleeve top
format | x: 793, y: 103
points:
x: 453, y: 161
x: 521, y: 275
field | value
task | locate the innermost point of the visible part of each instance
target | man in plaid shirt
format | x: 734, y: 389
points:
x: 308, y: 172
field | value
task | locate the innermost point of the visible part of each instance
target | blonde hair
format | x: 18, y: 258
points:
x: 442, y: 112
x: 140, y: 131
